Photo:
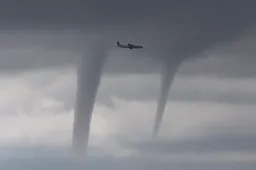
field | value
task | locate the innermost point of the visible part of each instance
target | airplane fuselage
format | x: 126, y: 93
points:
x: 129, y: 46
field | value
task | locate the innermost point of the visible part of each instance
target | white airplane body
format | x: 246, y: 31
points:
x: 130, y: 46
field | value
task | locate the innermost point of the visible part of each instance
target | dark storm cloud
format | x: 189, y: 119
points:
x: 205, y: 13
x: 74, y: 13
x: 186, y: 28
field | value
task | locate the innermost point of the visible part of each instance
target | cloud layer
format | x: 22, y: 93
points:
x: 168, y: 29
x: 36, y: 116
x: 206, y: 110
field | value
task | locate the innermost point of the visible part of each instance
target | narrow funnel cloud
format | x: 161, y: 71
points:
x: 88, y: 80
x: 168, y: 73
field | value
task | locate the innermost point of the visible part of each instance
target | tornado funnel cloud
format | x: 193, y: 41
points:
x: 167, y: 77
x: 88, y: 80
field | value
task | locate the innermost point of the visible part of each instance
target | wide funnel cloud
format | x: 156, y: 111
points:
x: 88, y: 80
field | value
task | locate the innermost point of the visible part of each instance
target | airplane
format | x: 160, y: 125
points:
x: 130, y: 46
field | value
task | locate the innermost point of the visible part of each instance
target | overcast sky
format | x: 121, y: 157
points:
x: 209, y: 122
x: 210, y: 119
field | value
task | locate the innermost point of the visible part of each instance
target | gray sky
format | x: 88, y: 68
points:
x: 56, y: 32
x: 203, y: 130
x: 210, y: 118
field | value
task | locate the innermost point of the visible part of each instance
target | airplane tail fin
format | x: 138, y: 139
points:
x: 118, y: 43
